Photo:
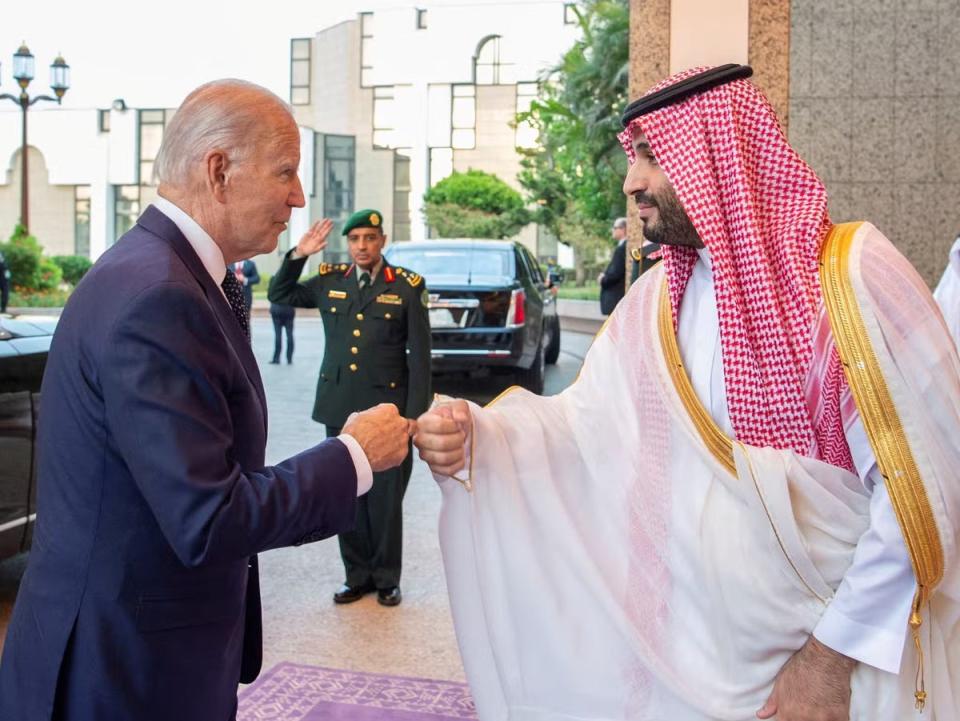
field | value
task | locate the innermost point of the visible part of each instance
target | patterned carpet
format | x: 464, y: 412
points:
x: 296, y: 692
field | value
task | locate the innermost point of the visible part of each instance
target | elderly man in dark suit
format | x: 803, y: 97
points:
x: 141, y: 597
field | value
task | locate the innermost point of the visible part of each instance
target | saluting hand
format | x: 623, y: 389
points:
x: 442, y: 434
x: 315, y: 239
x: 383, y: 434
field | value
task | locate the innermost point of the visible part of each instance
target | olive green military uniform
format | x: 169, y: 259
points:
x: 377, y: 351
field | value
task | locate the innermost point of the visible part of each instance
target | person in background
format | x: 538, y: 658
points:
x: 612, y: 279
x: 4, y: 284
x: 377, y: 350
x: 282, y: 316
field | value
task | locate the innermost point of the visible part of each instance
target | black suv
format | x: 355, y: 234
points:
x: 24, y: 343
x: 490, y: 308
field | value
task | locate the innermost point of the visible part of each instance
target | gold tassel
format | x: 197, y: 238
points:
x: 916, y: 620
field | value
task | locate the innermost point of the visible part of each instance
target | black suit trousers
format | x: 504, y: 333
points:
x: 372, y: 552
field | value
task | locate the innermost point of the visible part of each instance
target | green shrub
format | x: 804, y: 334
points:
x: 33, y: 299
x: 48, y: 276
x: 74, y: 267
x: 22, y: 254
x: 474, y: 204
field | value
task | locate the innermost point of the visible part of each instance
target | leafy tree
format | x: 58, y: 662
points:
x: 574, y: 179
x: 474, y: 204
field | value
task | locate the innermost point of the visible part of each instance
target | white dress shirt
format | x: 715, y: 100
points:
x: 212, y: 258
x: 867, y: 618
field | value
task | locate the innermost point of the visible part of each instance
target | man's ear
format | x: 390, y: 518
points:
x: 216, y: 165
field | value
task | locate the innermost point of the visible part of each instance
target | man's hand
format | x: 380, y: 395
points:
x: 383, y: 434
x: 442, y: 433
x: 315, y: 239
x: 600, y: 277
x: 814, y: 685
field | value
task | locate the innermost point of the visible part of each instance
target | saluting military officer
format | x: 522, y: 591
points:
x: 377, y: 351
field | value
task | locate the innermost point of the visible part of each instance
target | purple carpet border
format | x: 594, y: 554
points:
x: 298, y: 692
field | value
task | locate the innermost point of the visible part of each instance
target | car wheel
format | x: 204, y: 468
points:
x: 532, y: 377
x: 552, y: 353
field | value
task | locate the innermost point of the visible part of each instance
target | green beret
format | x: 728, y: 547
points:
x: 368, y: 218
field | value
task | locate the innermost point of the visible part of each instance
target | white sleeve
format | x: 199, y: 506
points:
x: 360, y: 462
x: 868, y: 617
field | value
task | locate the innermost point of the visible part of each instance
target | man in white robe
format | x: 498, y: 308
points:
x: 746, y: 504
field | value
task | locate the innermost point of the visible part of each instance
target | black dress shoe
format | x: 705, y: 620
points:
x: 349, y: 594
x: 389, y: 596
x: 274, y: 361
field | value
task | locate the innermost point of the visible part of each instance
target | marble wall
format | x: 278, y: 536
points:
x: 875, y: 109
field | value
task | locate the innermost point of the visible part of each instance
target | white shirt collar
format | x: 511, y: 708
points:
x: 203, y: 245
x: 705, y: 258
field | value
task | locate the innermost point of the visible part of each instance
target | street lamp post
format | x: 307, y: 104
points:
x: 23, y: 67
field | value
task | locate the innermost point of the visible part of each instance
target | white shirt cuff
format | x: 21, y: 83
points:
x: 360, y: 462
x: 872, y: 645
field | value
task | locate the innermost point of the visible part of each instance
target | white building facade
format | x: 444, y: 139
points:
x: 388, y: 104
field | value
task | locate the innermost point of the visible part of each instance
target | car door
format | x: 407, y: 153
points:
x: 533, y: 326
x: 16, y: 446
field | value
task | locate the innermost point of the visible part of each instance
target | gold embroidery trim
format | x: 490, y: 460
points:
x: 884, y: 429
x: 716, y: 441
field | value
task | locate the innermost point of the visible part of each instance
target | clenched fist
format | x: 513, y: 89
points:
x: 383, y: 434
x: 442, y: 433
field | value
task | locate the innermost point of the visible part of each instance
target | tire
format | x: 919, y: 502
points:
x: 552, y: 353
x: 532, y: 378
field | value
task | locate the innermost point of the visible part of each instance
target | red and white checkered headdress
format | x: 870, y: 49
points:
x: 761, y: 211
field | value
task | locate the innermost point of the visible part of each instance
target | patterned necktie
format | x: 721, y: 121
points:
x: 231, y: 289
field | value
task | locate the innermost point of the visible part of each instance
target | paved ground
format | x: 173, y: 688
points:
x: 301, y: 623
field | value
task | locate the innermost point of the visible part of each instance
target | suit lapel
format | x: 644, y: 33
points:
x: 161, y: 226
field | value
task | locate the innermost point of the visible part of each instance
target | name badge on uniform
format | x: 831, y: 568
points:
x: 389, y: 299
x: 337, y: 294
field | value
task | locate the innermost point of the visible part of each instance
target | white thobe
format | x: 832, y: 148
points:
x: 947, y: 293
x: 867, y: 618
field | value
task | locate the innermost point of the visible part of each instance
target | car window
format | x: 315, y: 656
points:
x: 523, y: 270
x: 534, y: 266
x: 465, y: 261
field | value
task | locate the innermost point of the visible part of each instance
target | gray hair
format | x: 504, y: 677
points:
x: 620, y: 223
x: 219, y: 115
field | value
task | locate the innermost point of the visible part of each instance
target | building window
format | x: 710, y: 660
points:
x: 488, y: 65
x: 366, y: 50
x: 401, y: 194
x: 103, y: 121
x: 126, y: 208
x: 384, y: 116
x: 151, y: 135
x: 570, y: 14
x: 441, y: 165
x: 339, y: 162
x: 421, y: 19
x: 463, y: 117
x: 81, y: 220
x: 526, y: 132
x: 300, y: 49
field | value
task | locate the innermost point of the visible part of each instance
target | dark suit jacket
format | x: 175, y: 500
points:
x: 141, y: 597
x: 252, y: 276
x: 377, y: 347
x: 613, y: 284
